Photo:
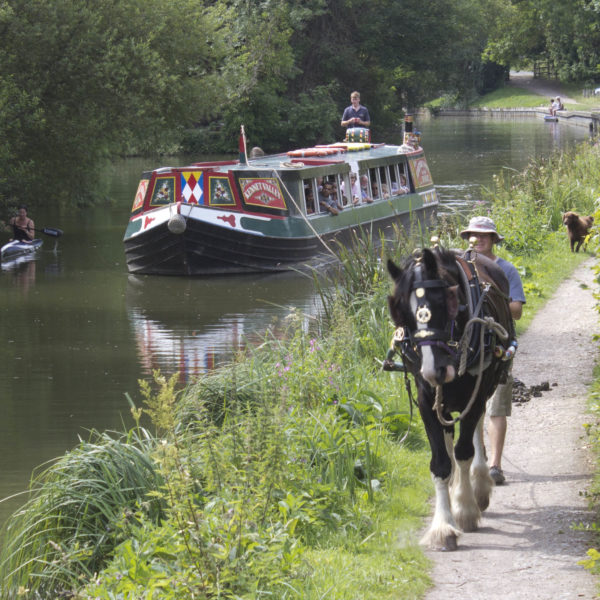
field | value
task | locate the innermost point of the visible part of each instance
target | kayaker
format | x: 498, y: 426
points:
x: 23, y: 226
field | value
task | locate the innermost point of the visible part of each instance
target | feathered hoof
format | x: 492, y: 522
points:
x: 468, y: 520
x: 483, y: 485
x: 483, y: 503
x: 443, y: 538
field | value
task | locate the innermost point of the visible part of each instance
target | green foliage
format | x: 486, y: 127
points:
x: 84, y: 81
x: 75, y: 517
x: 93, y: 79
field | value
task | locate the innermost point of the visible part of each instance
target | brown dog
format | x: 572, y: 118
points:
x: 577, y: 228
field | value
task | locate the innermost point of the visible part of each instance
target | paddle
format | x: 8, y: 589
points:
x: 51, y: 231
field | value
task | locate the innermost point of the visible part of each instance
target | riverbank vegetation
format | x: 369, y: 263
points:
x: 295, y: 472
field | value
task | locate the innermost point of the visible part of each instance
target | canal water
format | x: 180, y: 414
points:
x: 79, y: 332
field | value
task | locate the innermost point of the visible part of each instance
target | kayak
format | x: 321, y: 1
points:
x: 16, y: 248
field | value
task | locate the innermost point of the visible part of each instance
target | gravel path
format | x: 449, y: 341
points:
x: 526, y: 547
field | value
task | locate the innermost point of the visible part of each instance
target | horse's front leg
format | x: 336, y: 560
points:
x: 480, y: 473
x: 465, y: 508
x: 443, y: 532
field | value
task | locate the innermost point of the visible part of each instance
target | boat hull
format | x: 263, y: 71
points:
x: 15, y: 249
x: 205, y: 248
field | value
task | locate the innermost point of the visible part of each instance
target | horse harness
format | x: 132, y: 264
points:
x: 477, y: 344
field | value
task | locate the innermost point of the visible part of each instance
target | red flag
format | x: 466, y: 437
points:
x: 243, y: 156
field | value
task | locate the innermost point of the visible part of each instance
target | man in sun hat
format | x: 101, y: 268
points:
x: 500, y: 404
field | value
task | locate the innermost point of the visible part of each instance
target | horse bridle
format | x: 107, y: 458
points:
x: 410, y: 342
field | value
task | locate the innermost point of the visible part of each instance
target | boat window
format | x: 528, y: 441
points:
x: 352, y: 196
x: 309, y: 196
x: 345, y: 189
x: 405, y: 177
x: 394, y: 177
x: 330, y: 182
x: 399, y: 184
x: 384, y: 176
x: 375, y: 183
x: 337, y: 194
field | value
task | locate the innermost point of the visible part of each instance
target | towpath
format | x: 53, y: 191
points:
x: 544, y: 87
x: 528, y: 545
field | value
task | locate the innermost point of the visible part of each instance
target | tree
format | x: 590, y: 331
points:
x: 96, y: 78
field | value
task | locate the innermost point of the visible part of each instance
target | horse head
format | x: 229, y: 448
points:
x: 425, y: 306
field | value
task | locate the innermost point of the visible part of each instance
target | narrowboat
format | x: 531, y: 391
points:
x: 275, y: 212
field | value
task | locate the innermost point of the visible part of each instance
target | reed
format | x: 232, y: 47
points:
x: 69, y: 528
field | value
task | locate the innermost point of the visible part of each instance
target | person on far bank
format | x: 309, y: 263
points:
x: 22, y: 226
x: 500, y: 404
x: 356, y: 115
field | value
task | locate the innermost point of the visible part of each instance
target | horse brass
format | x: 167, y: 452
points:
x: 423, y: 314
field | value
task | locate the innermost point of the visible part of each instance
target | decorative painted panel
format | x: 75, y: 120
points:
x: 140, y: 195
x: 220, y: 193
x: 164, y: 191
x: 192, y: 187
x: 264, y: 192
x: 420, y: 172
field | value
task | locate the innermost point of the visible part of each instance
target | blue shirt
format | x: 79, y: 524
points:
x: 516, y: 292
x: 362, y: 113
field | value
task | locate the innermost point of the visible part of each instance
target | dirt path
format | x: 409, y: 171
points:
x: 544, y: 87
x: 526, y: 547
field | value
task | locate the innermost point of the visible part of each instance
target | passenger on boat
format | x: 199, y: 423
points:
x: 23, y: 226
x: 364, y: 189
x: 356, y: 115
x: 402, y: 188
x: 256, y: 152
x: 375, y: 189
x: 327, y: 199
x: 385, y: 191
x: 354, y: 189
x: 310, y: 200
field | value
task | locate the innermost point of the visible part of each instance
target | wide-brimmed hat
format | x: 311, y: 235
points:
x: 481, y: 225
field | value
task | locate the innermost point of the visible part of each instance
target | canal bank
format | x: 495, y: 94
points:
x: 578, y: 118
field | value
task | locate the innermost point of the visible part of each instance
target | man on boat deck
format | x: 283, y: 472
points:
x: 356, y: 115
x: 23, y: 226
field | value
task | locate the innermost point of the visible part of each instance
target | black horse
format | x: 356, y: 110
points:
x: 454, y: 333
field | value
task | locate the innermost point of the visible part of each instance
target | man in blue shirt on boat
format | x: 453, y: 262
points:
x: 356, y: 115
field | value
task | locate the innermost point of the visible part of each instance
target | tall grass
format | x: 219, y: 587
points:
x: 69, y: 528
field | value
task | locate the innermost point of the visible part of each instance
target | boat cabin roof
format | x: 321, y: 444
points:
x: 336, y: 158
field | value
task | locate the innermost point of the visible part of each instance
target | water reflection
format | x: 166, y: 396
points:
x: 195, y: 325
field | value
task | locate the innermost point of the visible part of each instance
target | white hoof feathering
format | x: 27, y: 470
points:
x: 464, y: 507
x: 443, y: 532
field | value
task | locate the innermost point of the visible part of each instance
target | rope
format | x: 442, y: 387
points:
x: 304, y: 217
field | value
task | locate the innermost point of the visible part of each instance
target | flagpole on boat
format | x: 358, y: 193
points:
x: 243, y: 153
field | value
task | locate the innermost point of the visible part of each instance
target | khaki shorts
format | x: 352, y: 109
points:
x: 500, y: 404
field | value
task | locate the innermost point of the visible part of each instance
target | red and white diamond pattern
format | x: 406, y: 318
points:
x: 191, y: 187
